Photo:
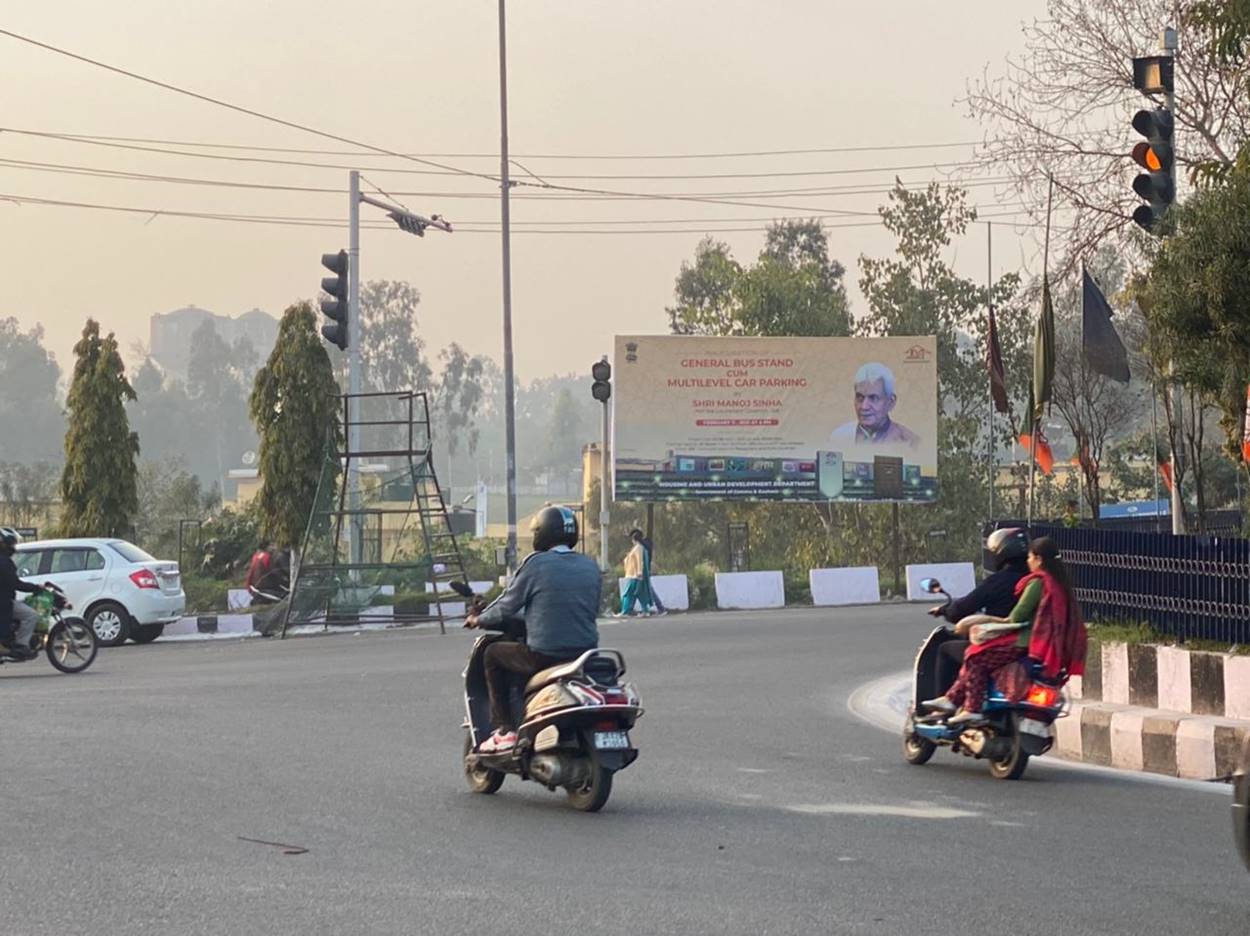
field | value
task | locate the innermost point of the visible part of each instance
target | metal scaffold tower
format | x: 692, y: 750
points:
x: 363, y: 559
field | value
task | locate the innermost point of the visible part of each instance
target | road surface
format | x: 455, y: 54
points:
x: 760, y: 804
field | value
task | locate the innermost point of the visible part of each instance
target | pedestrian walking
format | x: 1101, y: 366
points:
x: 660, y: 610
x: 636, y: 565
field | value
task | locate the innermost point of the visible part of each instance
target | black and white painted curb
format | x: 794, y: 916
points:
x: 1175, y: 679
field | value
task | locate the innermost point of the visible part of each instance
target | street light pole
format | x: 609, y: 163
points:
x: 509, y: 392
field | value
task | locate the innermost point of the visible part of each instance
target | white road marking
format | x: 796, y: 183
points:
x: 915, y: 811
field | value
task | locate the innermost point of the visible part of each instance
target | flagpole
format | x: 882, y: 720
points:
x: 989, y: 305
x: 1050, y: 200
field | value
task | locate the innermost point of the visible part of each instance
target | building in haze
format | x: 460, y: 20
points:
x: 169, y: 337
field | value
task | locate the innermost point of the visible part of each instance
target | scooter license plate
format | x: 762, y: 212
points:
x: 611, y: 740
x: 1034, y: 727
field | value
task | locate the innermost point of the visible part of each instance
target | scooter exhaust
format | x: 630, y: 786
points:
x: 556, y: 770
x: 981, y: 743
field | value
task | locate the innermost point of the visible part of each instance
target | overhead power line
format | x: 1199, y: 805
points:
x: 218, y: 102
x: 809, y: 151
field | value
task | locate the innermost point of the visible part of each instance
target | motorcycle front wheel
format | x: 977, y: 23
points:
x: 71, y: 645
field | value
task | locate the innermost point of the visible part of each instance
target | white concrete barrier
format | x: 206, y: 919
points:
x: 672, y: 590
x: 750, y: 590
x: 958, y: 578
x: 858, y: 585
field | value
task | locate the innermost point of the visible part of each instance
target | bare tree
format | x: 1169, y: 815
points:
x: 1064, y: 108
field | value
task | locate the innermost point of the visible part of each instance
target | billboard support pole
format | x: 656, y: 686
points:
x: 605, y: 491
x: 898, y: 581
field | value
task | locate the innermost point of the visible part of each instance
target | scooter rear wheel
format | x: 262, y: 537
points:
x: 480, y: 779
x: 594, y: 795
x: 916, y: 750
x: 1012, y: 766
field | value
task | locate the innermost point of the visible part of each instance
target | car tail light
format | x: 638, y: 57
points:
x: 1042, y: 696
x: 144, y: 578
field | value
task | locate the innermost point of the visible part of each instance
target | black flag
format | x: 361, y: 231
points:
x: 994, y: 363
x: 1103, y: 348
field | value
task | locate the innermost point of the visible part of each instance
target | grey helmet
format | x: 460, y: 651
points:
x: 1005, y: 545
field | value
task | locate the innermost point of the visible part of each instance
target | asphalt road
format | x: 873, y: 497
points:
x: 760, y: 804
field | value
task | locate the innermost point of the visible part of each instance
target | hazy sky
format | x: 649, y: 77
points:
x: 586, y: 78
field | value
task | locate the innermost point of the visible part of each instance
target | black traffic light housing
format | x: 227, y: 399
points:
x: 1157, y: 185
x: 335, y: 309
x: 601, y: 389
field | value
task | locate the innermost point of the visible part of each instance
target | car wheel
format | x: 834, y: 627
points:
x: 146, y: 633
x: 111, y: 623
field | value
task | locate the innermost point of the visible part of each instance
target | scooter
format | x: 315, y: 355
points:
x: 574, y: 720
x: 1009, y: 732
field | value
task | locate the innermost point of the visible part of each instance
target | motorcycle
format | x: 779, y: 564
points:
x: 574, y: 720
x: 68, y: 642
x: 1241, y: 806
x: 1008, y: 734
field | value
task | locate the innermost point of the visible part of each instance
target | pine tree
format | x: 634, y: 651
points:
x: 294, y: 407
x: 99, y: 484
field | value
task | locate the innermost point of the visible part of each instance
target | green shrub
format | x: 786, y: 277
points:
x: 205, y: 594
x: 702, y: 583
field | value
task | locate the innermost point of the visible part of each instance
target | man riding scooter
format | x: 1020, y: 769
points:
x: 556, y: 593
x: 12, y: 611
x: 996, y: 596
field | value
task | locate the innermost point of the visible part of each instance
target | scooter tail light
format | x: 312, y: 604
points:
x: 144, y: 578
x: 1042, y: 696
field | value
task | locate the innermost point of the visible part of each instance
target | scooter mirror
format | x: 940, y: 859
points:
x: 462, y: 589
x: 931, y: 585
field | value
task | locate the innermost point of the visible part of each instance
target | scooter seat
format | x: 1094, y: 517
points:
x: 575, y: 667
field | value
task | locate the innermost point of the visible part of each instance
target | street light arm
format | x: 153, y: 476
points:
x: 409, y: 221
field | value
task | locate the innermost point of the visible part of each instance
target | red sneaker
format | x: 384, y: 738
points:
x: 497, y: 743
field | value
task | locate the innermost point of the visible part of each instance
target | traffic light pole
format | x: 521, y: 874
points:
x: 605, y: 488
x: 1178, y: 501
x: 353, y: 370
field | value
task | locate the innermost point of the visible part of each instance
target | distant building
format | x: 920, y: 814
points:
x: 170, y: 335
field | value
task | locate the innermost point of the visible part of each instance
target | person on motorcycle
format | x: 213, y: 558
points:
x: 996, y: 596
x: 556, y: 593
x: 1045, y: 624
x: 12, y: 611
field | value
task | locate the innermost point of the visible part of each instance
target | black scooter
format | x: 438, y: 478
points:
x: 1241, y: 806
x: 574, y: 721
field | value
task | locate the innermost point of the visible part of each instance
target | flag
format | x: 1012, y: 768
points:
x: 1165, y: 469
x: 1103, y: 348
x: 1245, y: 437
x: 1043, y: 353
x: 1033, y: 428
x: 994, y: 362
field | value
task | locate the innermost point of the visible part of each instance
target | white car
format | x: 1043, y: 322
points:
x: 120, y: 590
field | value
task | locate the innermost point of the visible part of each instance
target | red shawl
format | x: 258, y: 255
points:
x: 1058, y: 637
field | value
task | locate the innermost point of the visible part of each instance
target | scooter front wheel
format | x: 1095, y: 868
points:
x: 480, y: 779
x: 916, y: 750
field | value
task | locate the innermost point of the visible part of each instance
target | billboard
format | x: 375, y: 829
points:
x: 806, y: 419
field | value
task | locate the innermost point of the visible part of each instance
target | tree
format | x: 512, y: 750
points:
x: 459, y: 397
x: 565, y: 435
x: 1194, y: 299
x: 916, y: 292
x: 294, y: 407
x: 794, y: 288
x: 218, y: 377
x: 168, y: 493
x: 99, y: 492
x: 31, y: 420
x: 1063, y: 110
x: 392, y: 352
x: 26, y: 493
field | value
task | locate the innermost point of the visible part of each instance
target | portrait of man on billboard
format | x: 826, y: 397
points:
x: 874, y: 401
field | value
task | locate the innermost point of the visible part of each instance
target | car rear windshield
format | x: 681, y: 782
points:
x: 130, y: 552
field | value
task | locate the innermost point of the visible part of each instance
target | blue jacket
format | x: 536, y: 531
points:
x: 557, y: 594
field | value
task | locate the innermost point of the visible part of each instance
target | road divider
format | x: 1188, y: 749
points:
x: 958, y: 578
x: 750, y: 591
x: 855, y: 585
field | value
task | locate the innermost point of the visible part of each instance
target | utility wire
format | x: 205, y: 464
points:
x: 812, y: 151
x: 243, y: 110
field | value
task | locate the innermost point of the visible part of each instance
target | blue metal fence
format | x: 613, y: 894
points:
x: 1194, y: 587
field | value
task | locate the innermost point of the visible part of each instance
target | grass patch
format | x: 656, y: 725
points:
x: 1143, y: 632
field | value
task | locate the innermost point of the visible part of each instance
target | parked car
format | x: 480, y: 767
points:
x: 120, y: 590
x: 1241, y: 805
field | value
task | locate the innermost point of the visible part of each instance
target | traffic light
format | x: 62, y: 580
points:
x: 1154, y: 154
x: 601, y: 389
x: 335, y: 309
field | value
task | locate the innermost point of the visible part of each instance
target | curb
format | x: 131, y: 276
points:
x: 1173, y: 744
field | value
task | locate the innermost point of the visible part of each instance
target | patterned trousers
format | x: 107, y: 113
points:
x: 974, y: 676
